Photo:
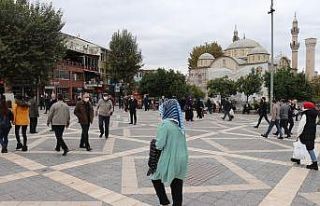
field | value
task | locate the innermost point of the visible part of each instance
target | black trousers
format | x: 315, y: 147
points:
x: 58, y: 130
x: 227, y: 113
x: 133, y: 116
x: 104, y: 121
x: 260, y: 118
x: 24, y: 133
x: 33, y: 124
x: 176, y: 191
x: 284, y: 125
x: 291, y: 123
x: 84, y: 142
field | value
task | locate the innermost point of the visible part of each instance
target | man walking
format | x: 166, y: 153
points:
x: 226, y: 109
x: 284, y: 114
x: 33, y: 114
x: 133, y: 110
x: 262, y: 112
x: 59, y: 118
x: 275, y: 119
x: 104, y: 111
x: 84, y: 112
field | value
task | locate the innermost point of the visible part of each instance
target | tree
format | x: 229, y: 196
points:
x: 196, y: 91
x: 31, y: 42
x: 250, y: 83
x: 124, y: 57
x: 164, y: 83
x: 211, y: 48
x: 223, y: 86
x: 315, y: 84
x: 288, y: 85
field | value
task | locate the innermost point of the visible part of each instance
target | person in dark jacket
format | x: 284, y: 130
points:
x: 146, y: 102
x: 46, y: 103
x: 226, y: 109
x: 188, y: 108
x: 6, y: 119
x: 291, y: 116
x: 84, y: 112
x: 132, y: 104
x: 307, y: 132
x: 262, y: 112
x: 209, y: 105
x: 33, y: 114
x: 199, y: 108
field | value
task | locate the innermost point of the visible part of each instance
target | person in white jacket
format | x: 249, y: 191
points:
x: 307, y: 132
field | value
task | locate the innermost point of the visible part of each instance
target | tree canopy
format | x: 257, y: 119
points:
x: 195, y: 91
x: 211, y: 48
x: 31, y: 42
x: 223, y: 86
x: 124, y: 57
x: 288, y: 85
x: 250, y: 83
x: 164, y: 83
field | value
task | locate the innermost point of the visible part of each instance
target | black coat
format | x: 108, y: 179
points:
x: 133, y: 105
x: 308, y: 134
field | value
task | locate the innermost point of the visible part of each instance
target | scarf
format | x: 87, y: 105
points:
x: 170, y: 110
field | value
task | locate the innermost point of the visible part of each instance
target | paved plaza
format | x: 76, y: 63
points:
x: 230, y: 164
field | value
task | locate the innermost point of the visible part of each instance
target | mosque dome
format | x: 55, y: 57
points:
x: 206, y: 56
x: 258, y: 50
x: 243, y: 43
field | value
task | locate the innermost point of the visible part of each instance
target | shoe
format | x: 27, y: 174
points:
x: 101, y: 134
x: 288, y: 136
x: 65, y: 152
x: 57, y: 149
x: 24, y: 148
x: 264, y: 135
x: 295, y: 160
x: 82, y: 146
x: 106, y: 137
x: 89, y: 149
x: 19, y: 146
x: 313, y: 166
x: 280, y: 137
x: 275, y: 134
x: 4, y: 150
x: 130, y: 123
x: 256, y: 126
x: 135, y: 123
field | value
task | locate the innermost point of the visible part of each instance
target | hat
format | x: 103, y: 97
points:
x: 308, y: 105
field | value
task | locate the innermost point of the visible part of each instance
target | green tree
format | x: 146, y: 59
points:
x: 211, y: 48
x: 164, y: 83
x: 124, y: 57
x: 288, y: 85
x: 315, y: 84
x: 31, y: 42
x: 223, y: 86
x: 250, y: 83
x: 195, y: 91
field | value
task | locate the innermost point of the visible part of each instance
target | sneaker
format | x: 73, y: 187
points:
x: 65, y: 152
x: 57, y: 149
x: 280, y: 137
x: 101, y: 134
x: 4, y: 150
x: 89, y: 149
x: 256, y: 126
x: 313, y: 166
x: 24, y: 148
x: 19, y: 146
x: 264, y: 135
x: 295, y: 160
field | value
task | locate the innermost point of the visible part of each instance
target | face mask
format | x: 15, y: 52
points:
x: 86, y: 99
x: 105, y: 98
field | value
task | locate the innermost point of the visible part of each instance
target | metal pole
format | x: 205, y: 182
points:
x: 272, y: 62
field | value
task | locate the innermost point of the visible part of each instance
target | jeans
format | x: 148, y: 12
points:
x: 105, y: 130
x: 33, y: 124
x: 24, y: 134
x: 260, y: 118
x: 85, y: 135
x: 284, y: 125
x: 4, y: 136
x: 312, y: 155
x: 133, y: 115
x: 176, y: 191
x: 272, y: 123
x: 58, y: 130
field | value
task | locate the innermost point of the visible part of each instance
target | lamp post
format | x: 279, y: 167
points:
x: 272, y: 64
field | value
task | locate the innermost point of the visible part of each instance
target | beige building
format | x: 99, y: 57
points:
x: 310, y: 57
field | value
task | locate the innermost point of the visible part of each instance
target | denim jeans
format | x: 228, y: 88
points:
x: 272, y: 123
x: 106, y: 121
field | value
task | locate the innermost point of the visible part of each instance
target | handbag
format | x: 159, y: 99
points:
x: 154, y: 156
x: 299, y: 150
x: 231, y: 112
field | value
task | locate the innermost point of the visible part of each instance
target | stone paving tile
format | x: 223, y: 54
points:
x: 247, y: 144
x: 118, y: 132
x: 299, y: 201
x: 144, y: 132
x: 8, y: 168
x: 282, y: 156
x: 39, y: 188
x: 201, y: 144
x: 101, y: 173
x: 311, y: 183
x: 124, y: 145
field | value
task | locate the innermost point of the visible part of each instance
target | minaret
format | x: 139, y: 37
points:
x: 310, y: 57
x: 294, y: 43
x: 235, y: 34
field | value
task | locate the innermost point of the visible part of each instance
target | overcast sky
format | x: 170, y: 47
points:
x: 167, y: 30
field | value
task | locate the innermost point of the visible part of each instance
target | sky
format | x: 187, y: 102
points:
x: 167, y: 30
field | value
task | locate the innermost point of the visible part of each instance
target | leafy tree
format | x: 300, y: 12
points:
x: 31, y: 42
x: 211, y: 48
x: 223, y: 86
x: 124, y: 57
x: 196, y: 91
x: 250, y: 84
x: 288, y: 85
x: 164, y: 83
x: 315, y: 84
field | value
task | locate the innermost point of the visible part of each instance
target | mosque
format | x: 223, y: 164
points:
x: 243, y: 55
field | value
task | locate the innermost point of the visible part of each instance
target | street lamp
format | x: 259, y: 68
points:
x: 272, y: 64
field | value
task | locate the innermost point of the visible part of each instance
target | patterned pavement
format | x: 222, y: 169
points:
x: 230, y: 164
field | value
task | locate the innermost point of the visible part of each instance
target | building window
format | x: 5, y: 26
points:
x: 61, y: 74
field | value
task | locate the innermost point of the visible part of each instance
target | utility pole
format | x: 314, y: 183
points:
x: 272, y: 61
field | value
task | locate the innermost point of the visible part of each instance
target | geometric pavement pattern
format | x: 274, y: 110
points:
x: 229, y: 164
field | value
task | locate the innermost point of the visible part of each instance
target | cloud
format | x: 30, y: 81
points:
x: 167, y: 30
